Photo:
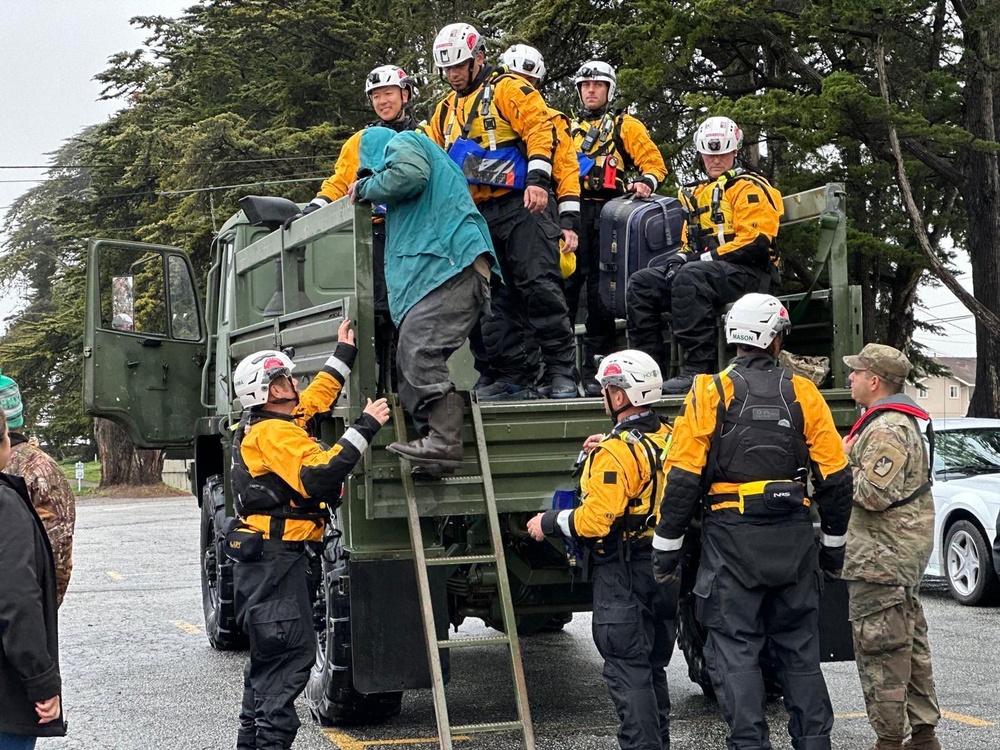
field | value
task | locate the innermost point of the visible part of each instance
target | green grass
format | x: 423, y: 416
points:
x: 91, y: 472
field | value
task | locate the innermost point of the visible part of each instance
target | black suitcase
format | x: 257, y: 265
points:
x: 633, y: 232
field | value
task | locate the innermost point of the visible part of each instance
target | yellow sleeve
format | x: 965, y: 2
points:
x: 565, y: 168
x: 757, y: 209
x: 642, y: 151
x: 433, y: 128
x: 317, y: 397
x: 283, y: 448
x: 345, y: 172
x: 694, y: 428
x: 528, y: 114
x: 605, y: 489
x: 822, y: 438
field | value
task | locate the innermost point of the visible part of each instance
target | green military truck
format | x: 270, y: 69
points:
x: 159, y: 363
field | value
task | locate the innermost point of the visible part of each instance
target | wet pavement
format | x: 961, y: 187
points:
x: 138, y: 671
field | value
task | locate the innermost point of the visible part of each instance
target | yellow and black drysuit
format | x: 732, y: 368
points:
x: 730, y: 251
x: 609, y: 146
x: 743, y: 448
x: 502, y: 136
x: 283, y: 484
x: 635, y: 620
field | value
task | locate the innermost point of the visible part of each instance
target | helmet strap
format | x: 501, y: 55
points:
x: 615, y: 413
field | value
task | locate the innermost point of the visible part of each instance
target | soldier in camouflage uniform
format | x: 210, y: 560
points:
x: 48, y: 487
x: 889, y: 543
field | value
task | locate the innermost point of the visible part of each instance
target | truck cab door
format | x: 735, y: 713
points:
x: 144, y: 342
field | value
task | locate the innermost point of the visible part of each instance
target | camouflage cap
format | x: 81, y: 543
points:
x: 10, y: 402
x: 885, y: 361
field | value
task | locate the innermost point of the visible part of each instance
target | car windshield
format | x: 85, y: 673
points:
x: 965, y: 453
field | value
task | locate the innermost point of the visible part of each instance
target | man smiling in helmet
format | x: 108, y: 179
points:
x: 497, y: 129
x: 390, y: 91
x: 610, y: 145
x: 745, y: 445
x: 730, y: 250
x: 635, y: 620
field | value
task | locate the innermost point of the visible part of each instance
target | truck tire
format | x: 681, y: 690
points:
x: 330, y: 693
x: 217, y: 572
x: 691, y: 637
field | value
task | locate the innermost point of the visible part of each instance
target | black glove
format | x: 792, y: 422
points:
x: 666, y: 566
x: 831, y: 561
x: 306, y: 209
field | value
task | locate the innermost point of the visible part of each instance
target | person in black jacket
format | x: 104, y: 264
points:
x: 743, y: 449
x: 30, y: 685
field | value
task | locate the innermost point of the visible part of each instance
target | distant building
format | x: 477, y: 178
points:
x: 948, y: 395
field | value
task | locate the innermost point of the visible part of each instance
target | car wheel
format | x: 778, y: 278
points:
x: 968, y: 571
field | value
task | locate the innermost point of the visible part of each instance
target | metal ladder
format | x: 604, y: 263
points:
x: 445, y: 729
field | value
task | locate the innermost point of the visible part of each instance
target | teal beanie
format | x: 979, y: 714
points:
x: 10, y: 401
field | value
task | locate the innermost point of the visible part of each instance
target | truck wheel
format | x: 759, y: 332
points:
x: 968, y: 565
x: 330, y: 693
x: 217, y: 572
x: 691, y: 639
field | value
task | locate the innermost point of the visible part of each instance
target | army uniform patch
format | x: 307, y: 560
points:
x: 884, y: 466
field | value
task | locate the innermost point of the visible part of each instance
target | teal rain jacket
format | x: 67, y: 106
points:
x: 433, y: 229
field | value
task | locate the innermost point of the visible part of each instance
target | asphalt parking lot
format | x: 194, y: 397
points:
x: 138, y: 671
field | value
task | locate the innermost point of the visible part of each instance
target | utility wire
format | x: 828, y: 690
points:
x: 175, y: 163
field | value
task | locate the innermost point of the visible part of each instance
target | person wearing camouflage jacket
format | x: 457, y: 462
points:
x: 889, y: 542
x: 48, y: 488
x: 53, y: 499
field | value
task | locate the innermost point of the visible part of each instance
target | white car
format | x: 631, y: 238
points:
x: 966, y: 500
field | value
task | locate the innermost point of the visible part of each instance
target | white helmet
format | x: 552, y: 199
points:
x: 528, y: 61
x: 456, y: 43
x: 597, y: 70
x: 634, y: 372
x: 255, y: 373
x: 388, y: 75
x: 718, y: 135
x: 756, y: 320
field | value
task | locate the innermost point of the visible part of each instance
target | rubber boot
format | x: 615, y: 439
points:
x: 924, y: 738
x: 442, y: 444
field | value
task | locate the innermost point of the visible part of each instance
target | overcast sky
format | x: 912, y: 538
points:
x: 50, y: 51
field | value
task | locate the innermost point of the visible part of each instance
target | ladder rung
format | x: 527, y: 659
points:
x: 464, y: 479
x: 496, y: 726
x: 487, y: 640
x: 461, y: 560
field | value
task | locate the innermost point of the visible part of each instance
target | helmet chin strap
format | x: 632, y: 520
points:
x: 615, y: 413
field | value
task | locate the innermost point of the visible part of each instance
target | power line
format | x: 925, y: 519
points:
x: 230, y: 187
x: 174, y: 163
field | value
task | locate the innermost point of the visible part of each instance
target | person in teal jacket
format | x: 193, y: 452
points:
x: 439, y: 261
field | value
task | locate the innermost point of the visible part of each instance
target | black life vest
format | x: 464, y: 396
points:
x: 267, y: 494
x: 760, y: 436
